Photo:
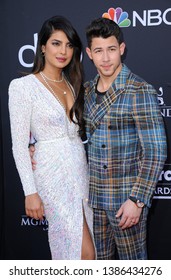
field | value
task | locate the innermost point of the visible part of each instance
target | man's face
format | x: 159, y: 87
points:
x: 106, y: 54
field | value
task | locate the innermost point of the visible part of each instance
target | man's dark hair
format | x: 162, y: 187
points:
x: 103, y: 27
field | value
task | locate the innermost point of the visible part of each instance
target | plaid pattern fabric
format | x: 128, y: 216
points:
x: 126, y: 141
x: 130, y: 243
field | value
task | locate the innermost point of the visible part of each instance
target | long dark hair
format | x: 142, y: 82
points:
x: 74, y: 70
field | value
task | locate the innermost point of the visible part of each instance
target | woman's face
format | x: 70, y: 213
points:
x: 58, y: 50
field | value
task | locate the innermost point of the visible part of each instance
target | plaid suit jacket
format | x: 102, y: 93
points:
x: 126, y: 141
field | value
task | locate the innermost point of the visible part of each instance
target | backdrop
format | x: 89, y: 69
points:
x: 147, y: 28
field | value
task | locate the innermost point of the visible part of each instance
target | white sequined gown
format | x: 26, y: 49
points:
x: 61, y: 177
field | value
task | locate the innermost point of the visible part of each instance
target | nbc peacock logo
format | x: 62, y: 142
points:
x: 119, y: 16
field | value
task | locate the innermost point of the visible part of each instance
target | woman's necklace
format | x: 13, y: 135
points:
x: 45, y: 80
x: 56, y: 81
x: 52, y: 91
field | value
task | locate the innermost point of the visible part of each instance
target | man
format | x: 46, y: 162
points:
x: 126, y: 145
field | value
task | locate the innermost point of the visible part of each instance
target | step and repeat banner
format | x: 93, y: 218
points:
x: 147, y: 30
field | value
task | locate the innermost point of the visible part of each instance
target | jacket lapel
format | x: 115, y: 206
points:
x: 95, y: 111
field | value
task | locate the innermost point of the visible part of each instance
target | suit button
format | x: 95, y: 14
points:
x: 103, y: 146
x: 105, y: 166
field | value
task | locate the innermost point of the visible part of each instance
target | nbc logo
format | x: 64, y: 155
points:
x: 117, y: 15
x: 153, y: 17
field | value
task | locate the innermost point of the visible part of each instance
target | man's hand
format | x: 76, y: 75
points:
x: 34, y: 206
x: 31, y: 151
x: 129, y: 214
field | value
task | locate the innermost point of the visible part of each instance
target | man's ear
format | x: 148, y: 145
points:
x: 88, y: 51
x: 122, y: 48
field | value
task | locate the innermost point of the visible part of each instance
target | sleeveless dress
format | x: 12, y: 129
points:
x: 61, y: 175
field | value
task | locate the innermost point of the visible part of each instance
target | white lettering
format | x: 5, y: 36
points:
x: 161, y: 101
x: 151, y: 17
x: 135, y: 16
x: 34, y: 222
x: 165, y: 175
x: 160, y: 178
x: 166, y: 190
x: 25, y: 221
x: 163, y: 191
x: 159, y: 191
x: 164, y: 16
x: 154, y: 15
x: 161, y: 90
x: 166, y: 112
x: 27, y: 47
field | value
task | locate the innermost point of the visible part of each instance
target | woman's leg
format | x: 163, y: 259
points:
x: 88, y: 251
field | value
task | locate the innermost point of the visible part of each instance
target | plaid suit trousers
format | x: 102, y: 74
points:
x: 130, y: 243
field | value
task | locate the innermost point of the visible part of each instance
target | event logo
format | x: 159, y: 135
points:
x: 117, y: 15
x: 153, y: 17
x: 163, y: 188
x: 27, y: 221
x: 165, y: 109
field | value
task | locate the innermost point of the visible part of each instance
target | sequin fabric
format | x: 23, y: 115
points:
x: 61, y: 175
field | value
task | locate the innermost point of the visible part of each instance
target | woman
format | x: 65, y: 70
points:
x: 42, y: 103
